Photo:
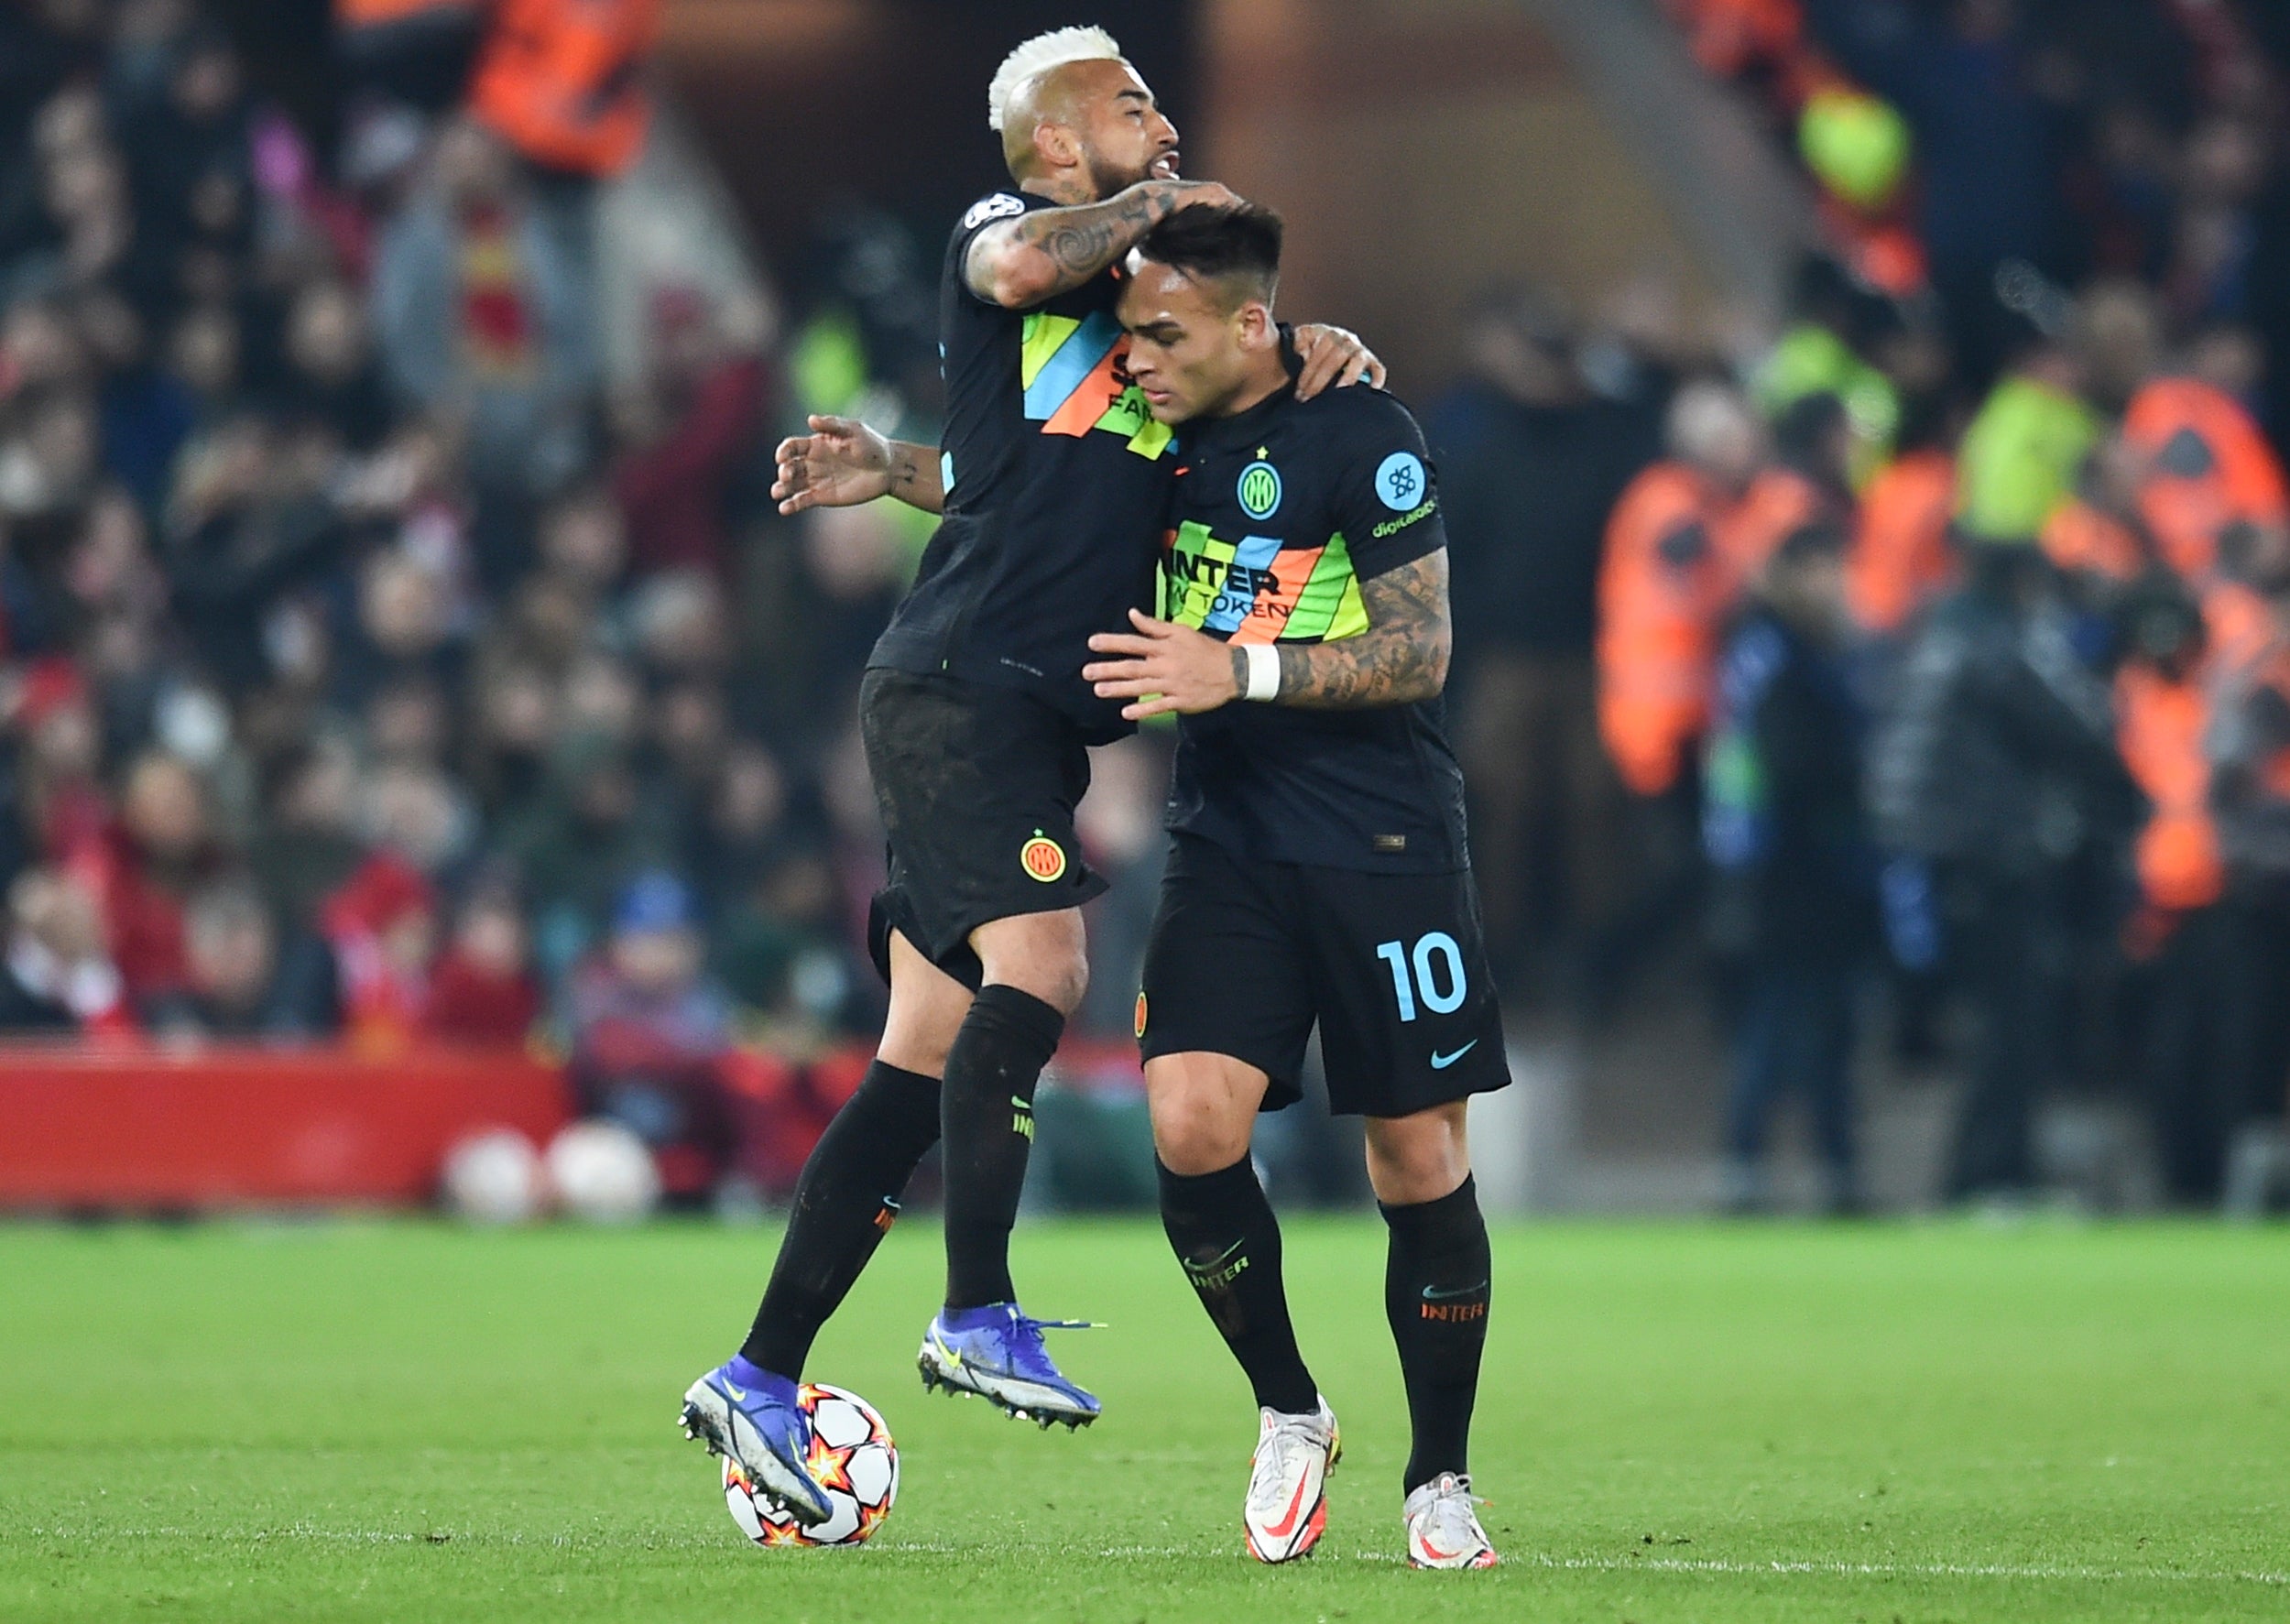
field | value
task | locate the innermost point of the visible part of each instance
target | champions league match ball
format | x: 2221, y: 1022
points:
x: 852, y: 1458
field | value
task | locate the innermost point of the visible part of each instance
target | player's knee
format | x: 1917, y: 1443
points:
x: 1194, y: 1143
x: 1418, y: 1158
x: 1193, y: 1130
x: 1045, y: 954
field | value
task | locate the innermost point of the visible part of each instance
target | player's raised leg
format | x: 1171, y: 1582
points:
x: 845, y: 1204
x: 1437, y: 1281
x: 1036, y: 969
x: 1226, y: 1237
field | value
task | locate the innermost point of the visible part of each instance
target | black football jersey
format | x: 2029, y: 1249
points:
x: 1057, y: 489
x: 1280, y: 514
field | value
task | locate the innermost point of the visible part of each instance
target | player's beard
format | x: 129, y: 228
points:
x: 1110, y: 177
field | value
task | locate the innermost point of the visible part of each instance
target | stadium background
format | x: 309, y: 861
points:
x: 403, y: 659
x: 415, y: 723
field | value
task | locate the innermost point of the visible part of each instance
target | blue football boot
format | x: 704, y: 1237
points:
x: 751, y: 1416
x: 995, y: 1352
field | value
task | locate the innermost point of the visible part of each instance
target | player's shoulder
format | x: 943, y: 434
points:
x: 1364, y: 437
x: 1353, y: 420
x: 1002, y: 203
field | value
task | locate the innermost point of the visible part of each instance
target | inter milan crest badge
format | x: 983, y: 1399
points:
x: 1260, y: 490
x: 1042, y: 857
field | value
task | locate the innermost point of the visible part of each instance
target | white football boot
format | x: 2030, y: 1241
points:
x: 1287, y: 1506
x: 1443, y: 1530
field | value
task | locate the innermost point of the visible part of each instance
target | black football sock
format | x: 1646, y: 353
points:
x: 1225, y: 1235
x: 845, y: 1204
x: 987, y: 1119
x: 1435, y: 1289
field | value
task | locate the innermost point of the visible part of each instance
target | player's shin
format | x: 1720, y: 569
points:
x: 987, y: 1117
x: 1224, y: 1233
x: 845, y: 1204
x: 1436, y: 1286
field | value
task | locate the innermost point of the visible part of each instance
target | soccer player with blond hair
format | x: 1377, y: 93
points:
x: 1055, y: 478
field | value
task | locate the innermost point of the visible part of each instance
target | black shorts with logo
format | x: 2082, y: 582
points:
x: 1245, y: 956
x: 977, y: 786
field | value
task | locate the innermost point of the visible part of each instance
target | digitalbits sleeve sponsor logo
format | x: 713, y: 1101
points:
x: 1042, y: 858
x: 1401, y: 482
x: 1260, y: 490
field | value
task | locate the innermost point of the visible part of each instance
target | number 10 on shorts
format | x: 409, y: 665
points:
x: 1419, y: 974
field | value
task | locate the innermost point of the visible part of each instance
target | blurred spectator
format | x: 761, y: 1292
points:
x: 589, y: 833
x: 2178, y: 934
x: 309, y: 845
x: 697, y: 417
x: 557, y: 80
x: 2248, y: 751
x: 241, y: 981
x: 382, y: 924
x: 143, y: 868
x: 333, y: 378
x: 57, y: 979
x: 1794, y: 901
x: 651, y: 1031
x: 1530, y: 463
x: 1993, y: 765
x: 1666, y: 584
x: 483, y: 989
x: 482, y: 316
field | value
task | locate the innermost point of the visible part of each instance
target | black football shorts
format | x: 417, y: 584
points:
x: 1245, y: 957
x: 977, y: 786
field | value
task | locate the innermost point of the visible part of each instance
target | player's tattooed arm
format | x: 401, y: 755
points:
x: 1402, y: 658
x: 1020, y: 262
x: 1161, y: 666
x: 841, y: 462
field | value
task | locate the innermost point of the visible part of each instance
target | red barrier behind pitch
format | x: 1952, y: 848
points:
x: 144, y: 1128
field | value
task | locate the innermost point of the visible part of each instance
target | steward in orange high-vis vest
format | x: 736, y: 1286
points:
x: 1662, y: 590
x: 1809, y: 483
x: 2206, y: 471
x: 1666, y: 584
x: 559, y: 81
x: 1901, y: 556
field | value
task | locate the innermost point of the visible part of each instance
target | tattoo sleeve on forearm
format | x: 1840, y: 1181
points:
x: 1082, y: 240
x: 1399, y: 659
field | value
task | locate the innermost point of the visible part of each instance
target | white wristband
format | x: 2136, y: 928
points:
x: 1264, y: 671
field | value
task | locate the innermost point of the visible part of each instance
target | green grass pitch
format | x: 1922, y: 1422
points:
x: 371, y: 1421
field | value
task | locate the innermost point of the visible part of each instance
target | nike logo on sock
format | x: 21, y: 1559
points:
x: 1440, y: 1063
x: 1448, y: 1294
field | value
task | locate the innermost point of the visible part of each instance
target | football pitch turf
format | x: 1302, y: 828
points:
x: 370, y: 1420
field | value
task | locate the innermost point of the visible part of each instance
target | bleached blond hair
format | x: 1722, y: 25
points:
x: 1036, y: 57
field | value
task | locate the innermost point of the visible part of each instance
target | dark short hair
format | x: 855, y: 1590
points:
x: 1213, y: 243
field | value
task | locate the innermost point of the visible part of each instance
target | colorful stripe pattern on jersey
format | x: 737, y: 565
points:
x: 1256, y: 590
x: 1070, y: 367
x: 1281, y: 514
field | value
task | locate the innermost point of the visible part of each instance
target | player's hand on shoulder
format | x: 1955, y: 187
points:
x: 1162, y: 668
x: 841, y: 462
x: 1334, y: 355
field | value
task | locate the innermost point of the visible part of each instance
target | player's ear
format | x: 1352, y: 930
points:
x: 1057, y: 146
x: 1257, y: 330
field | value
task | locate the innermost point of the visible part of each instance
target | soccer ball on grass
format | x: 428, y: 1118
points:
x: 854, y: 1460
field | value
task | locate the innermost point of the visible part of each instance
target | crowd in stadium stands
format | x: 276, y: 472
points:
x: 1949, y: 637
x: 371, y: 670
x: 375, y: 669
